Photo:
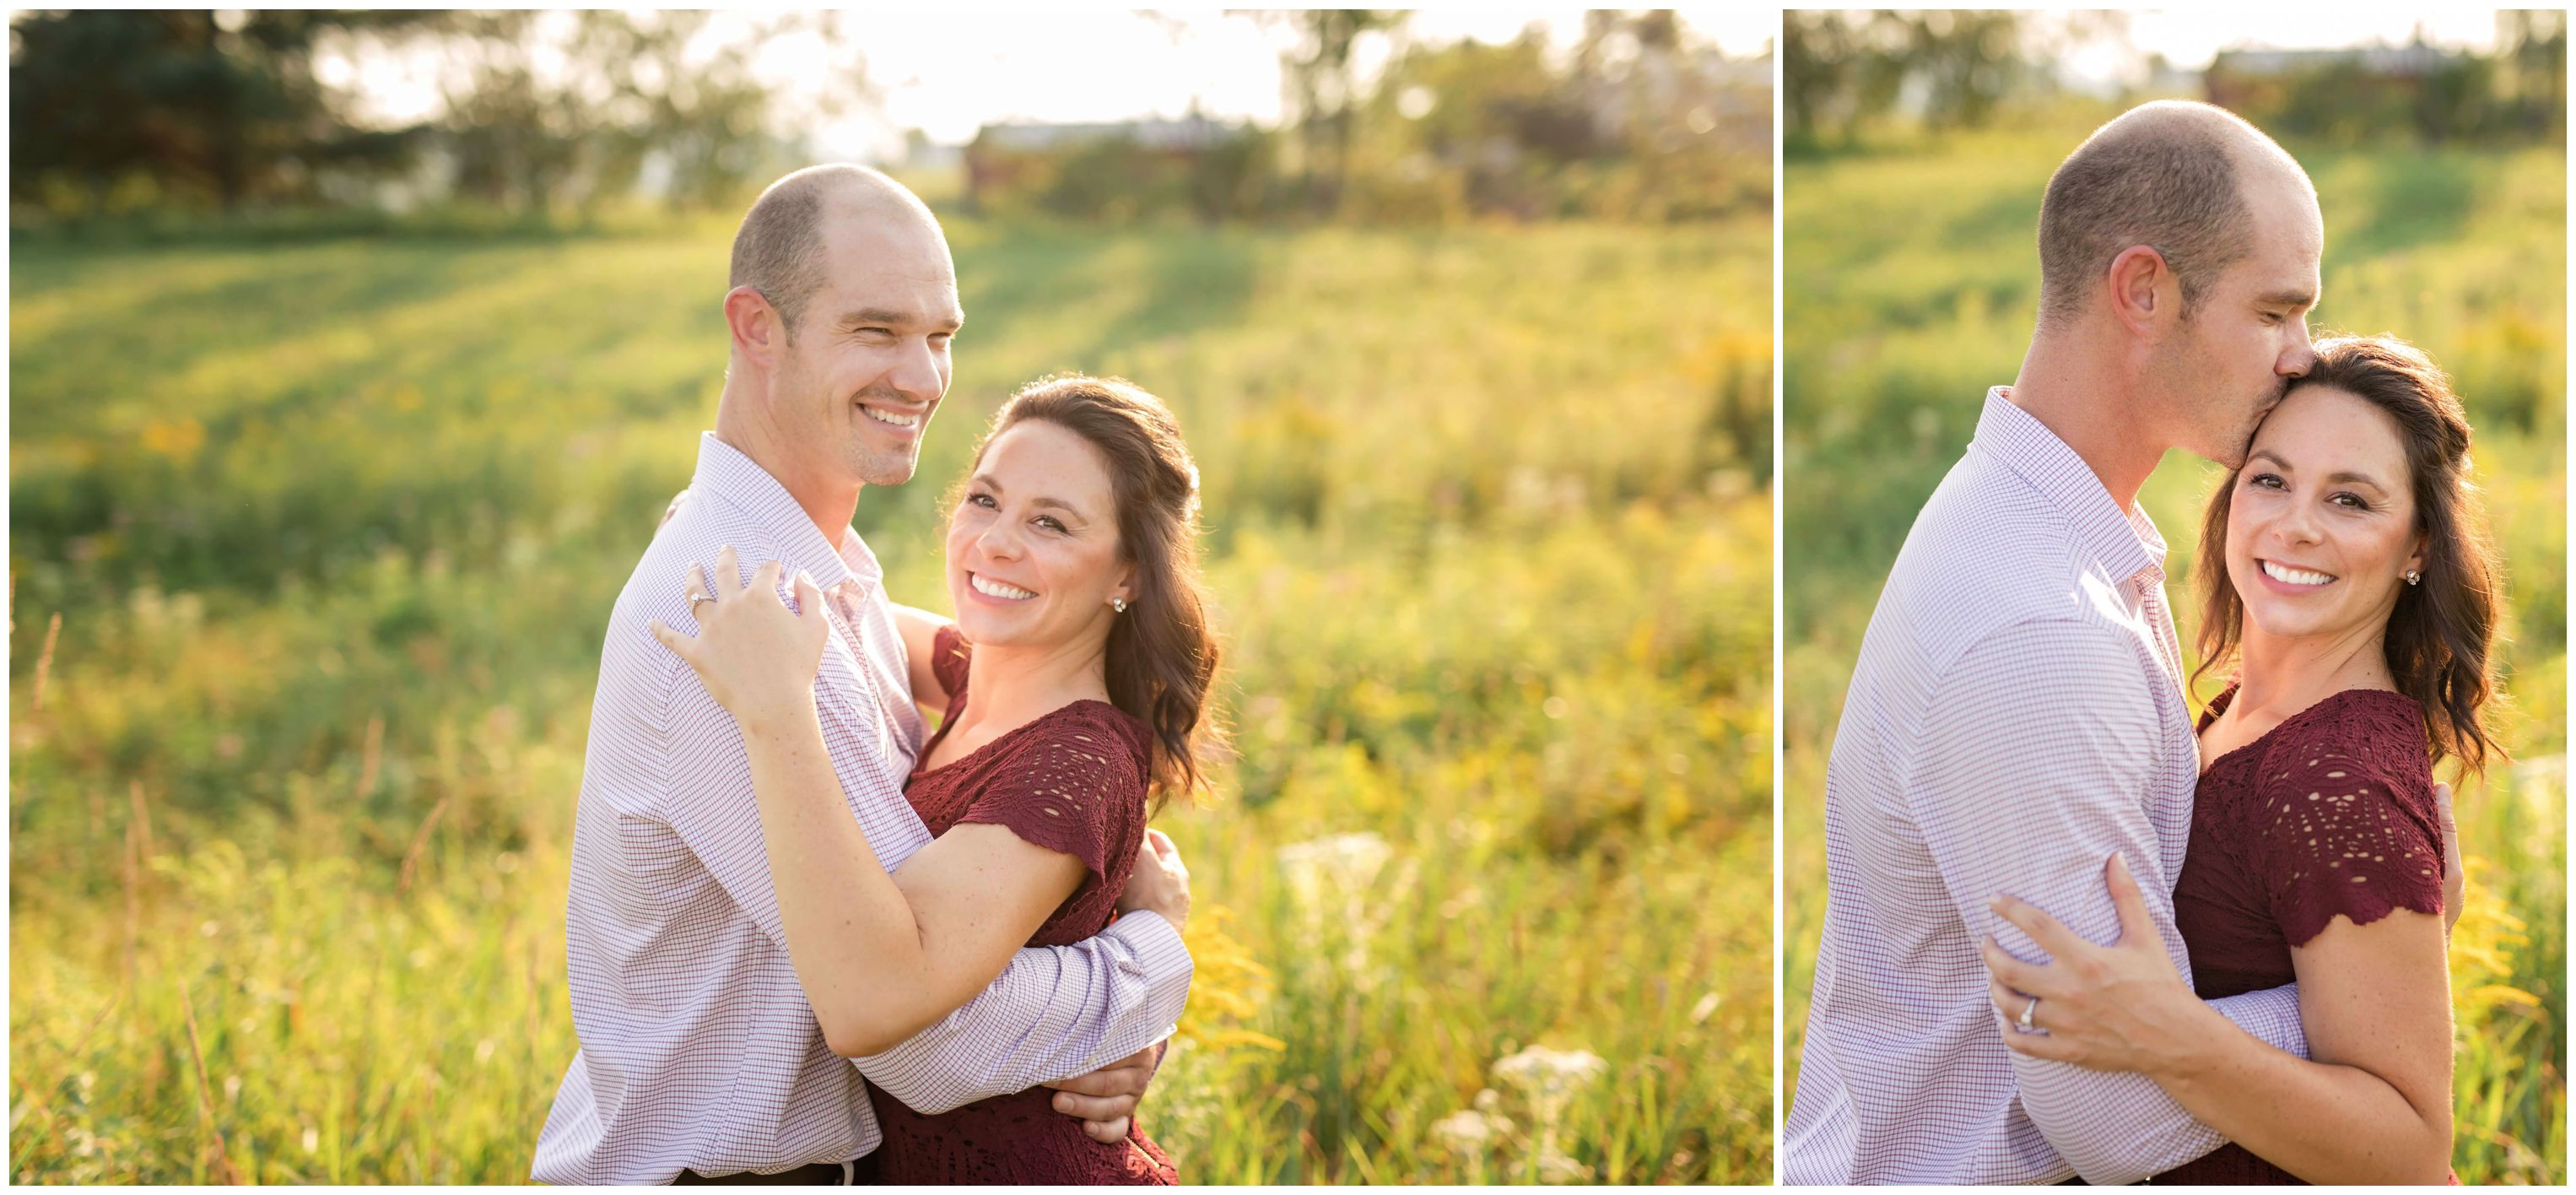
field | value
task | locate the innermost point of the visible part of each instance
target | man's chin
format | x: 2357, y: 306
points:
x: 888, y: 470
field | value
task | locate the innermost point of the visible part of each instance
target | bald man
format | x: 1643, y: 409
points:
x: 2017, y: 712
x: 700, y: 1059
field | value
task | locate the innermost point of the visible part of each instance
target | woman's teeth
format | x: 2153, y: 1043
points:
x: 2294, y: 576
x: 991, y: 588
x: 891, y: 419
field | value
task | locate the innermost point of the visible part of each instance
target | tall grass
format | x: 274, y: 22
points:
x: 333, y: 529
x: 1911, y: 279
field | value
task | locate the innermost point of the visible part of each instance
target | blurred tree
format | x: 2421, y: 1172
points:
x: 1845, y: 72
x: 2532, y: 68
x: 1322, y: 92
x: 622, y: 95
x: 1838, y: 72
x: 513, y: 139
x: 124, y: 109
x: 1947, y: 68
x: 178, y: 106
x: 1638, y: 122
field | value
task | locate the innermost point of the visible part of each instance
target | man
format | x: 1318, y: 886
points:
x: 700, y: 1057
x: 2017, y: 713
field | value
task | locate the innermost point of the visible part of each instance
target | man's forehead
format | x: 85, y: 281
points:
x: 890, y: 266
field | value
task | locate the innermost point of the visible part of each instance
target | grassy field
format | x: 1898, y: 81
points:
x: 332, y: 529
x: 1910, y: 278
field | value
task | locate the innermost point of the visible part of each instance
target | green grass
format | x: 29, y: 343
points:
x: 333, y: 529
x: 1911, y: 278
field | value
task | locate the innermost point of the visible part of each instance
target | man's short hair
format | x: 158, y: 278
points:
x: 778, y: 251
x: 2168, y: 176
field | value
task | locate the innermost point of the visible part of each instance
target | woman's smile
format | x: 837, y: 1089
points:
x: 2287, y: 578
x: 1000, y: 591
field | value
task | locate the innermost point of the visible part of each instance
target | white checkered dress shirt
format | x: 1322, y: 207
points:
x: 2016, y: 715
x: 698, y: 1049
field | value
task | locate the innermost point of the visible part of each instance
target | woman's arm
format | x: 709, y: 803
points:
x: 920, y: 636
x: 882, y: 959
x: 878, y: 959
x: 2372, y: 1107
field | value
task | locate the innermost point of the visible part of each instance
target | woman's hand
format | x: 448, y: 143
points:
x: 756, y: 657
x: 2455, y: 876
x: 1160, y: 884
x: 2121, y: 1007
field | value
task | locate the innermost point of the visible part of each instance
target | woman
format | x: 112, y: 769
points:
x: 1073, y: 687
x: 2349, y: 575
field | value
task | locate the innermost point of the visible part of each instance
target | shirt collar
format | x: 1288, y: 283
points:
x: 2125, y: 543
x: 725, y: 473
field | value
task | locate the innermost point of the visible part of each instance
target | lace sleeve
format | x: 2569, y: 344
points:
x: 1072, y: 790
x: 2353, y: 829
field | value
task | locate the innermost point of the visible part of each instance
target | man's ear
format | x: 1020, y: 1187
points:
x: 2144, y: 292
x: 758, y: 334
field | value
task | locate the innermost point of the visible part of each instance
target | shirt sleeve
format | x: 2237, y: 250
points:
x: 1070, y: 792
x: 1056, y: 1012
x: 2351, y: 834
x: 2037, y: 765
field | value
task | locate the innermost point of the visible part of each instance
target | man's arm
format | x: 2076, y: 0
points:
x: 2037, y: 754
x: 1056, y: 1012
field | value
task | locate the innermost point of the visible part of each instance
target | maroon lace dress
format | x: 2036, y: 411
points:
x: 2330, y: 813
x: 1072, y: 781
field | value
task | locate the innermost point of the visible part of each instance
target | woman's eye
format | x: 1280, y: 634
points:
x: 1049, y: 522
x: 2351, y: 501
x: 983, y: 500
x: 2269, y: 481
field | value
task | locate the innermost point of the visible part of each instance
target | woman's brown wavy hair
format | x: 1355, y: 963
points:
x: 1162, y: 654
x: 2442, y: 633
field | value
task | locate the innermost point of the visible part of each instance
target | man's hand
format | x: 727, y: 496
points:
x: 1104, y: 1099
x: 2455, y: 877
x: 2122, y: 1007
x: 1160, y: 884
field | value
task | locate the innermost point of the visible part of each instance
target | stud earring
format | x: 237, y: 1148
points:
x: 2413, y: 576
x: 1118, y: 604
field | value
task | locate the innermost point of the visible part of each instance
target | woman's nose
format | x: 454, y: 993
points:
x: 999, y: 539
x: 2296, y: 525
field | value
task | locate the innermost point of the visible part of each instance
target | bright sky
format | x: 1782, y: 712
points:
x: 950, y: 72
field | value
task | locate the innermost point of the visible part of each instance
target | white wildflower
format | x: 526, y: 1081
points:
x: 1549, y: 1078
x: 1333, y: 882
x: 1545, y: 1074
x: 1333, y: 866
x: 1468, y: 1132
x: 1557, y: 1168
